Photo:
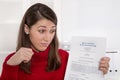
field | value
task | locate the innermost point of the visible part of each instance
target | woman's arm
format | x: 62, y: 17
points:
x: 9, y: 72
x: 11, y: 64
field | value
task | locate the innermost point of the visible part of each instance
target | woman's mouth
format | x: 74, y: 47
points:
x: 44, y: 44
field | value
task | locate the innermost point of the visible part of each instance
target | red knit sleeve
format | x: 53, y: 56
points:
x: 9, y: 72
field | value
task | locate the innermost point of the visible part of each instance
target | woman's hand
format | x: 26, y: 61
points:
x: 104, y: 64
x: 22, y: 55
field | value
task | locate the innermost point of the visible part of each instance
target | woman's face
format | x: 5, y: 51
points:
x: 41, y: 34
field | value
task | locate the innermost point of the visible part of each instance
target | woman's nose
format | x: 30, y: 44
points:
x: 47, y: 37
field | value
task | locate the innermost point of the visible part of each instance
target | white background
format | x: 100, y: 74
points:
x: 99, y: 18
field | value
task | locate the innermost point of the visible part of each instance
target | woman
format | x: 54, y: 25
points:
x: 37, y: 56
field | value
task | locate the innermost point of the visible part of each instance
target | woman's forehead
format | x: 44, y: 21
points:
x: 45, y: 23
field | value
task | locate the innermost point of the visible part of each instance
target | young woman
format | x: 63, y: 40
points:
x: 37, y: 56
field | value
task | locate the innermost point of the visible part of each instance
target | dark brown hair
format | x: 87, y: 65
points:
x: 35, y: 13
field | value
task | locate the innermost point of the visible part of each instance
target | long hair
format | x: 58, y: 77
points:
x: 35, y: 13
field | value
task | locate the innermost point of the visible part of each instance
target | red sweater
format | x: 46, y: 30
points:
x: 38, y: 66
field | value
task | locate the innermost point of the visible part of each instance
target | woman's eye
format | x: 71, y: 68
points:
x: 52, y: 31
x: 41, y: 31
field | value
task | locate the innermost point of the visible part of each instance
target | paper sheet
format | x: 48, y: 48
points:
x: 83, y: 62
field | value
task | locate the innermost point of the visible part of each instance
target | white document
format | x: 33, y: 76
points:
x: 84, y: 57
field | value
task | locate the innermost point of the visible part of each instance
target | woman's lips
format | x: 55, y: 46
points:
x: 44, y: 44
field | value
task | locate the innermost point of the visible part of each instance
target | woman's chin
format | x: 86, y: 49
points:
x: 43, y: 49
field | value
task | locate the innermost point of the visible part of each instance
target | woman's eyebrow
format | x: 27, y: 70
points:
x: 41, y: 26
x: 46, y: 26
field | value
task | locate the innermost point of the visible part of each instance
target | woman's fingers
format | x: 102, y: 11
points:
x: 104, y: 64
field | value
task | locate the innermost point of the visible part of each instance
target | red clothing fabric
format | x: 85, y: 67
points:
x: 38, y: 66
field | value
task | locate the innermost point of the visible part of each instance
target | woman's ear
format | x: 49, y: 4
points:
x: 26, y: 29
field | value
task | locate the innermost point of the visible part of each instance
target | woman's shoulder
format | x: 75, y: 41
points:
x: 63, y: 52
x: 8, y: 56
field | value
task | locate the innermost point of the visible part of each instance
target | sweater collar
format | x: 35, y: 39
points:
x: 46, y: 50
x: 42, y: 55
